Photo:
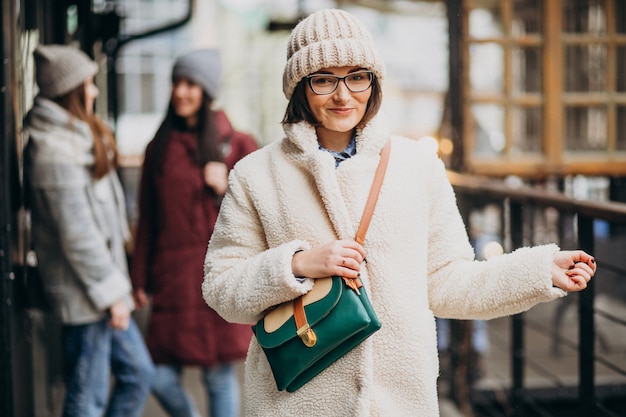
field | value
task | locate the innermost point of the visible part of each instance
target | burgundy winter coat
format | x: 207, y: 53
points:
x: 177, y: 212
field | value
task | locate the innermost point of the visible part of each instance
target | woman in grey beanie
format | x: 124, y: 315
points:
x: 79, y: 233
x: 289, y: 218
x: 184, y: 177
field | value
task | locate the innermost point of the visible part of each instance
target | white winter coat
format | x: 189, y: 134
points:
x: 289, y: 196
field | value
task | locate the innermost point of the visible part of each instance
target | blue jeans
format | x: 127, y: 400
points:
x: 220, y: 382
x: 480, y: 335
x: 92, y: 352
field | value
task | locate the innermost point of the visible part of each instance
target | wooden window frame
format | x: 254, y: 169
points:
x: 555, y: 160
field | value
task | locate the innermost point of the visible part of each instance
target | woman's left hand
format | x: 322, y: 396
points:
x: 216, y: 176
x: 572, y: 270
x: 119, y: 315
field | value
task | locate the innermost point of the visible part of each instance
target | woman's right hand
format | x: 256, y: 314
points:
x: 216, y: 177
x: 140, y: 297
x: 338, y: 257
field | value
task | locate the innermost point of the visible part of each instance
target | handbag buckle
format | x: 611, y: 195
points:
x: 307, y: 335
x: 354, y: 284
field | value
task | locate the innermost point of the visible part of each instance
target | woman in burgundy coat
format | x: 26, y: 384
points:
x: 185, y: 175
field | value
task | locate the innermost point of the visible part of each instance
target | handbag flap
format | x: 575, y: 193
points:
x: 278, y: 326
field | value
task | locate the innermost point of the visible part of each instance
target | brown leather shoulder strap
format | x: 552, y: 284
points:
x: 303, y: 329
x: 374, y: 191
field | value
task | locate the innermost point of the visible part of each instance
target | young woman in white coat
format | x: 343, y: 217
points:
x: 290, y: 217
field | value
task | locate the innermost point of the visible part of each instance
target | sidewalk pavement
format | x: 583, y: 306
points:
x: 192, y: 381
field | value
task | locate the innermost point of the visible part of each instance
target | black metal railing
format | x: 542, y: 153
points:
x: 587, y: 397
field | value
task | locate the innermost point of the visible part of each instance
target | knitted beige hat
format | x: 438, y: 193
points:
x: 61, y: 68
x: 329, y: 38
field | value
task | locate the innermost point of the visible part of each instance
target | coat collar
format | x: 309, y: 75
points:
x: 369, y: 140
x: 57, y: 136
x: 302, y: 148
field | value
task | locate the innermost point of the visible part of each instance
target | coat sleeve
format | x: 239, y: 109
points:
x: 82, y: 242
x: 463, y: 288
x: 145, y: 234
x: 243, y: 277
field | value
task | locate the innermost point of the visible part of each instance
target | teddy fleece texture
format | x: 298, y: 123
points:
x: 420, y: 264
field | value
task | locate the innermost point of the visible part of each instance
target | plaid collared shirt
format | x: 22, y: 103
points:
x: 349, y: 152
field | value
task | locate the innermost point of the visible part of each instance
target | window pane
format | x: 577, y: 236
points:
x: 489, y: 136
x: 527, y: 17
x: 147, y: 93
x: 620, y: 58
x: 621, y: 128
x: 584, y: 16
x: 129, y: 82
x: 620, y: 16
x: 585, y: 128
x: 485, y: 20
x: 527, y: 70
x: 486, y: 68
x: 122, y: 105
x: 527, y: 124
x: 585, y: 68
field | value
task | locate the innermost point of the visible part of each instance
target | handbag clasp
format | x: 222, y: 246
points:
x: 354, y: 284
x: 307, y: 335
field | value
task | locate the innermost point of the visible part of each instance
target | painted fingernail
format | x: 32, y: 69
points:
x: 593, y: 260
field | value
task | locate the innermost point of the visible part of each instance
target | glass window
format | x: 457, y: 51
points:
x: 129, y: 82
x: 619, y: 17
x: 546, y: 79
x: 489, y: 138
x: 147, y: 93
x: 620, y: 59
x: 71, y: 20
x: 527, y: 67
x: 485, y: 20
x: 527, y: 130
x: 527, y: 17
x: 584, y: 17
x: 585, y: 128
x: 585, y: 68
x: 486, y: 68
x: 621, y: 128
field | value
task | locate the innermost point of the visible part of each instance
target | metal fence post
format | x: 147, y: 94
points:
x: 586, y: 383
x: 517, y: 321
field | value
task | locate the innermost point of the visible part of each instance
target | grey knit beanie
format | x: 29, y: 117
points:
x: 329, y: 38
x: 61, y: 68
x: 203, y: 67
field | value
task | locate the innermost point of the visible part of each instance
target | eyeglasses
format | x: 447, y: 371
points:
x: 326, y: 83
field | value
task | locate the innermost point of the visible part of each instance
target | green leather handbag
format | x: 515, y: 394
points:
x: 334, y: 325
x: 303, y: 337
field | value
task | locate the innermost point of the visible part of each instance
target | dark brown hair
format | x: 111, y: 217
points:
x: 207, y: 134
x: 104, y: 149
x: 298, y: 107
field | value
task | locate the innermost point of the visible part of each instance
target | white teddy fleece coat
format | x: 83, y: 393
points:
x: 289, y: 196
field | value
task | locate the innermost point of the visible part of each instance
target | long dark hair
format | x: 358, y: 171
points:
x: 207, y: 134
x: 104, y: 149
